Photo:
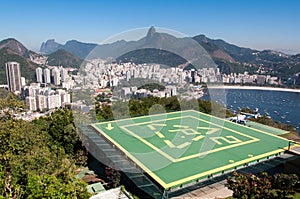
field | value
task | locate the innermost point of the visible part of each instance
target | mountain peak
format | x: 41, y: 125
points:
x: 151, y: 32
x: 9, y: 40
x: 15, y: 46
x: 49, y: 46
x: 72, y: 41
x: 150, y: 35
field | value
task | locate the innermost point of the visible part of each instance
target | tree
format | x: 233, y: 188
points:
x: 152, y: 86
x: 103, y: 112
x: 33, y: 164
x: 102, y: 98
x: 2, y: 180
x: 284, y: 184
x: 113, y: 176
x: 171, y: 103
x: 249, y: 186
x: 63, y: 131
x: 11, y: 104
x: 136, y: 108
x: 49, y: 186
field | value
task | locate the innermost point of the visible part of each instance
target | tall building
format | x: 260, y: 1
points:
x: 64, y: 74
x: 31, y: 103
x: 39, y: 75
x: 33, y: 89
x: 41, y: 102
x: 56, y: 76
x: 13, y: 76
x: 53, y: 101
x: 128, y: 75
x: 47, y: 78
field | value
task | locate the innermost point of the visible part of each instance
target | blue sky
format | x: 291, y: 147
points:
x: 259, y: 24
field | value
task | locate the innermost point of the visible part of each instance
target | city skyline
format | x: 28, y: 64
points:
x: 254, y: 24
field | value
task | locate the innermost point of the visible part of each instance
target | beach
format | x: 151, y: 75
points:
x: 253, y: 88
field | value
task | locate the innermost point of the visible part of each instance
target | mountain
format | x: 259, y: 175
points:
x: 296, y: 57
x: 218, y: 49
x: 237, y: 53
x: 79, y: 49
x: 150, y: 34
x: 49, y: 46
x: 165, y: 49
x: 153, y: 39
x: 63, y: 58
x: 15, y: 47
x: 156, y: 47
x: 152, y: 55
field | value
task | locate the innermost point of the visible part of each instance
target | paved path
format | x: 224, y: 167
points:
x: 213, y: 191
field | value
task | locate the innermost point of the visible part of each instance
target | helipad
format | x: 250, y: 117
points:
x: 180, y: 147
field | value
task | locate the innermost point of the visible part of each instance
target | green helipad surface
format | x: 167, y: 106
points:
x: 180, y: 147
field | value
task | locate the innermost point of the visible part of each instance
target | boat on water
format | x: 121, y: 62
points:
x: 268, y: 115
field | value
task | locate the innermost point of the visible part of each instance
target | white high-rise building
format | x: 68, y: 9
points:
x: 39, y: 75
x: 13, y: 76
x: 33, y: 89
x: 41, y: 102
x: 128, y: 75
x: 53, y: 101
x: 65, y: 97
x: 31, y: 103
x: 47, y: 78
x: 56, y: 76
x: 64, y: 74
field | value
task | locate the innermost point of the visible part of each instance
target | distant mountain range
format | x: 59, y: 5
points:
x: 153, y: 39
x: 229, y: 58
x: 155, y: 47
x: 218, y: 49
x: 79, y: 49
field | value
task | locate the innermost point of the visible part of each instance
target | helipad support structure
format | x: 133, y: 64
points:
x: 180, y: 147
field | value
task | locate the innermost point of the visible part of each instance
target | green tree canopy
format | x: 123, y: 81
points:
x: 33, y: 164
x: 249, y: 186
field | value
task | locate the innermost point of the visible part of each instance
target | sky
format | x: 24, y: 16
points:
x: 258, y: 24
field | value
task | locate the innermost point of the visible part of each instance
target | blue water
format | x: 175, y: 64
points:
x: 281, y: 106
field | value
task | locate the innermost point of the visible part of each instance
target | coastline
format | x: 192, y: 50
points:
x: 238, y: 87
